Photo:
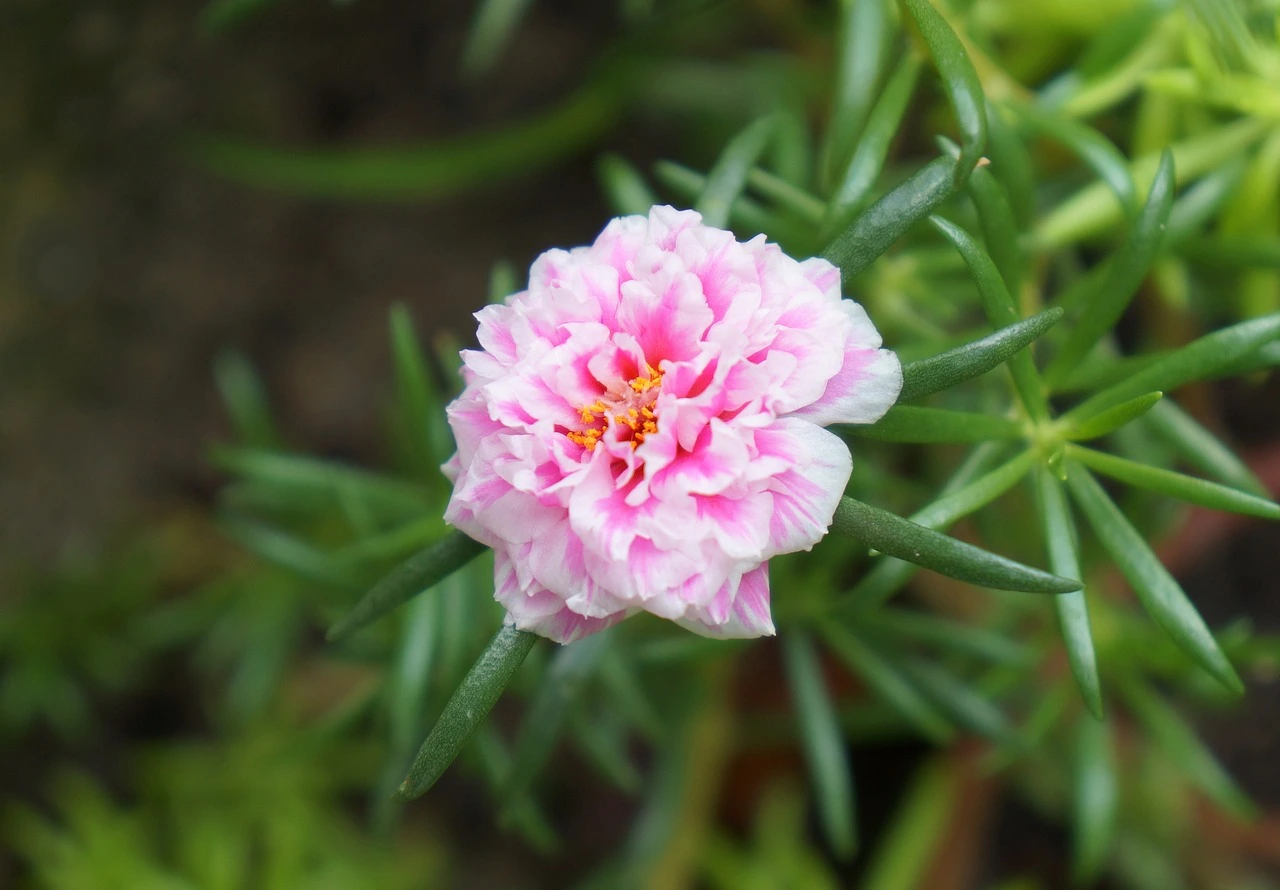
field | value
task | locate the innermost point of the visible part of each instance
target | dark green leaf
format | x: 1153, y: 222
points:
x: 1160, y: 594
x: 872, y: 149
x: 1240, y: 251
x: 728, y: 177
x: 420, y: 418
x: 415, y: 173
x: 960, y: 81
x: 745, y: 214
x: 1096, y: 150
x: 786, y: 195
x: 904, y: 539
x: 881, y: 224
x: 222, y: 15
x: 938, y: 372
x: 999, y: 228
x: 1180, y: 742
x: 1011, y: 164
x: 967, y: 706
x: 290, y: 552
x: 1198, y: 360
x: 245, y: 399
x: 1072, y: 608
x: 495, y: 23
x: 948, y: 635
x: 922, y: 824
x: 1096, y: 799
x: 467, y: 708
x: 1104, y: 306
x: 1000, y: 310
x: 1176, y: 485
x: 571, y: 668
x: 415, y: 575
x: 882, y: 675
x: 1112, y: 419
x: 913, y: 423
x: 1197, y: 205
x: 604, y: 741
x: 824, y: 746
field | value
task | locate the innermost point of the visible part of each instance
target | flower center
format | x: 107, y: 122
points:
x: 631, y: 411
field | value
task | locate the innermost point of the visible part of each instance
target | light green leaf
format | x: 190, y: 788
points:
x: 964, y: 90
x: 1202, y: 448
x: 1112, y: 419
x: 1096, y: 801
x: 1072, y: 608
x: 1160, y: 594
x: 467, y: 708
x: 624, y: 185
x: 417, y: 574
x: 824, y: 745
x: 1011, y: 165
x: 883, y: 531
x: 864, y: 44
x: 875, y: 229
x: 728, y: 177
x: 920, y: 826
x: 887, y: 680
x: 913, y: 423
x: 1176, y: 485
x: 938, y: 372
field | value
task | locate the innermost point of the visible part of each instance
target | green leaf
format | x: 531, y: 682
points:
x: 1112, y: 419
x: 872, y: 149
x: 1096, y: 801
x: 728, y: 177
x: 1011, y: 165
x: 1160, y: 594
x: 1202, y: 448
x: 624, y: 185
x: 962, y: 495
x: 467, y: 708
x: 1176, y: 485
x: 880, y: 672
x: 527, y: 818
x: 999, y: 228
x: 824, y: 745
x: 1197, y: 205
x: 1000, y: 310
x: 786, y: 195
x: 495, y: 23
x: 223, y: 15
x: 1072, y: 608
x: 1180, y: 742
x: 1097, y: 151
x: 245, y: 399
x: 883, y: 531
x: 1239, y: 251
x: 745, y: 214
x: 929, y: 375
x: 416, y: 173
x: 964, y: 91
x: 416, y: 656
x: 571, y: 668
x: 326, y: 481
x: 1128, y: 269
x: 864, y: 44
x: 428, y: 441
x: 417, y: 574
x: 921, y: 825
x: 881, y: 224
x: 968, y: 707
x: 1198, y: 360
x: 945, y: 634
x: 604, y: 741
x: 913, y: 423
x: 290, y: 552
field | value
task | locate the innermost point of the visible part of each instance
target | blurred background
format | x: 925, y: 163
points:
x: 209, y: 202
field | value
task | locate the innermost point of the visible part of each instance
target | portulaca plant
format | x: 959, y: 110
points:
x: 651, y: 423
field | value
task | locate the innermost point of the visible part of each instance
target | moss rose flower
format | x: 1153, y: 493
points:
x: 642, y: 428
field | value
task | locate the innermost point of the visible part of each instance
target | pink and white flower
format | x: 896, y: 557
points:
x: 642, y: 428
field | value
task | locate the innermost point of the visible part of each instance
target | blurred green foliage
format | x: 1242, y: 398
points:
x: 1127, y: 168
